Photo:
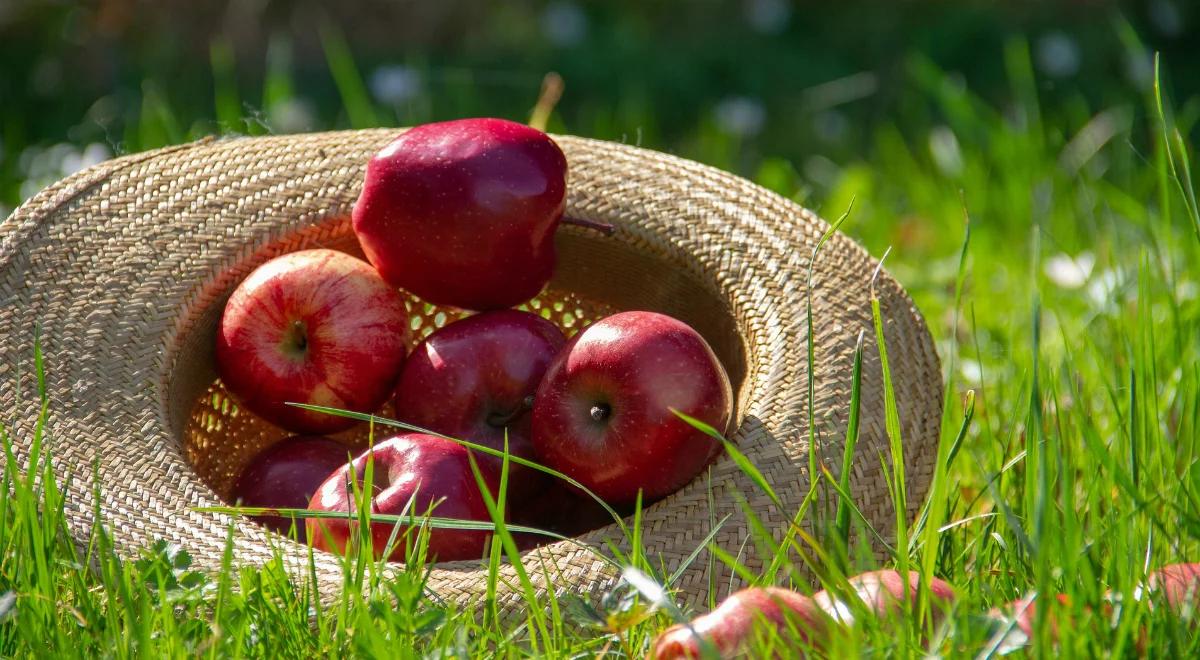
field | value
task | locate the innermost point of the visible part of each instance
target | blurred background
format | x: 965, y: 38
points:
x: 914, y: 109
x: 792, y: 92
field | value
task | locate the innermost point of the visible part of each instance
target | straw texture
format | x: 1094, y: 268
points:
x: 126, y: 266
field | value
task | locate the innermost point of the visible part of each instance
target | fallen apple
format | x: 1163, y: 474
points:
x: 317, y: 327
x: 1019, y: 618
x: 413, y: 472
x: 603, y: 413
x: 1176, y: 584
x: 474, y: 380
x: 286, y: 474
x: 463, y: 212
x: 882, y: 592
x: 730, y: 628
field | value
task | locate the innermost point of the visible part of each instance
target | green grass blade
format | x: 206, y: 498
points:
x: 842, y: 519
x: 375, y: 419
x: 892, y: 426
x: 738, y: 457
x: 349, y: 83
x: 227, y: 101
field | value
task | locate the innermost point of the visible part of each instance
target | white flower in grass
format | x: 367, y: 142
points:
x: 291, y: 116
x: 1139, y: 66
x: 945, y: 150
x: 42, y: 166
x: 741, y: 115
x: 1070, y: 272
x: 768, y: 16
x: 395, y: 84
x: 830, y: 126
x: 564, y: 23
x: 822, y: 171
x: 1165, y: 16
x: 1103, y: 288
x: 971, y: 371
x: 93, y: 154
x: 1057, y: 55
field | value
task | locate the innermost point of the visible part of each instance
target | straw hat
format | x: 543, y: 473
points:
x: 125, y: 268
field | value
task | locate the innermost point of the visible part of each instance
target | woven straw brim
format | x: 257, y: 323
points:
x: 126, y: 266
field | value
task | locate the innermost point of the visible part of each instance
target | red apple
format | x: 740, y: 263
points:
x: 474, y: 380
x: 429, y: 470
x: 603, y: 413
x: 463, y: 213
x: 881, y: 593
x: 1177, y: 584
x: 285, y: 476
x: 730, y: 627
x: 317, y: 327
x: 1021, y: 615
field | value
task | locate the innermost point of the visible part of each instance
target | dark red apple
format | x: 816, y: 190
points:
x: 317, y: 327
x: 881, y: 593
x: 602, y: 414
x: 558, y: 508
x: 429, y: 470
x: 474, y: 380
x: 730, y: 627
x: 463, y: 213
x: 286, y: 474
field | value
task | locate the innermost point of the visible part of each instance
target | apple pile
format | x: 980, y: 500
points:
x: 462, y: 214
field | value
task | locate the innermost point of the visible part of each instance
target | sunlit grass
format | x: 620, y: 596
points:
x: 1068, y: 457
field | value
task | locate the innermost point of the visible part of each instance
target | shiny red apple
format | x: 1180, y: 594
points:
x: 428, y: 470
x: 286, y: 474
x: 882, y: 592
x: 603, y: 413
x: 730, y: 628
x: 474, y: 380
x: 463, y: 213
x: 317, y: 327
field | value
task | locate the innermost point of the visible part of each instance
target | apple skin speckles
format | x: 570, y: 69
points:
x: 463, y: 213
x: 603, y: 413
x: 318, y: 327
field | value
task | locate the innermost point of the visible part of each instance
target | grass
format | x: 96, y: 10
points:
x: 1053, y: 251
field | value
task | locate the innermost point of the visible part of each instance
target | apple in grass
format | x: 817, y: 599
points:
x: 285, y: 476
x: 463, y: 212
x: 603, y: 412
x: 882, y: 594
x: 1018, y: 619
x: 474, y: 380
x: 1178, y: 585
x: 318, y: 327
x: 429, y: 470
x: 730, y: 629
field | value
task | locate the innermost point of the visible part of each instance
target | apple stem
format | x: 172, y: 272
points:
x: 602, y: 227
x: 500, y: 420
x: 301, y: 337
